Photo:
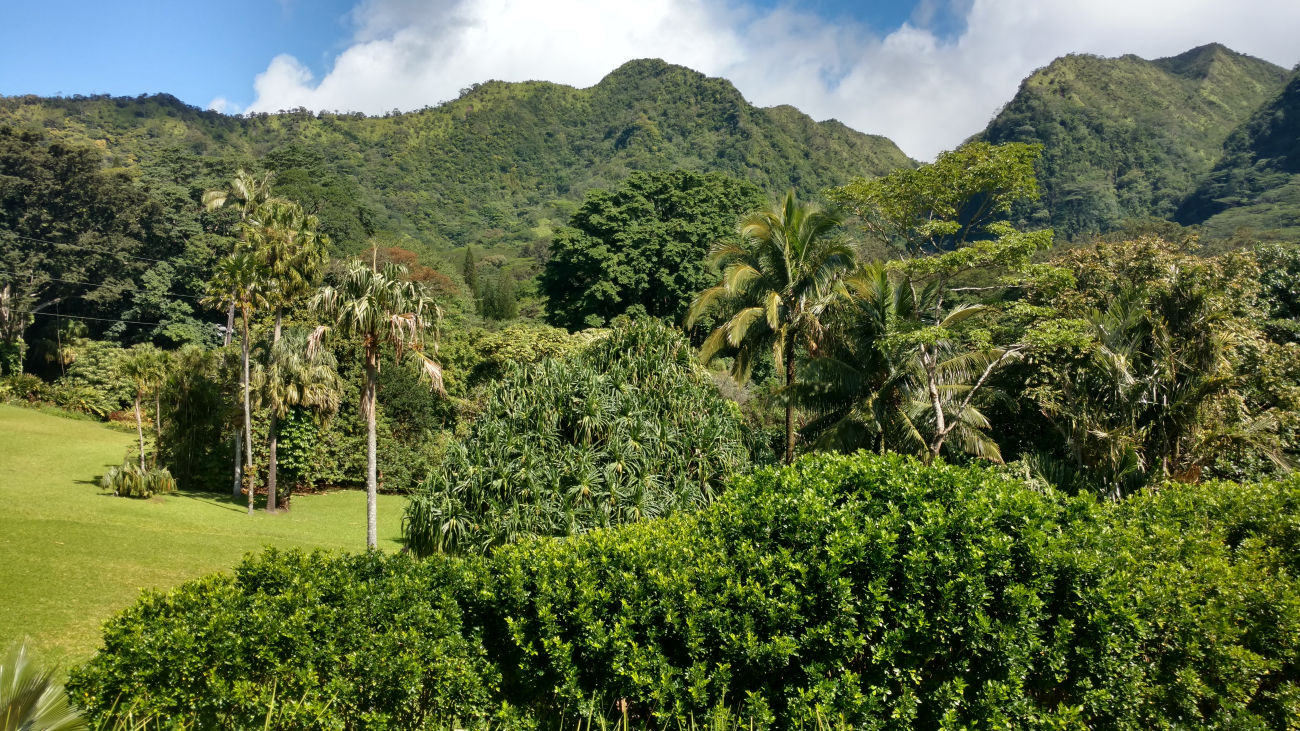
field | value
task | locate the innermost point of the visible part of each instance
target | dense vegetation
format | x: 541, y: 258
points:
x: 1126, y: 137
x: 625, y: 430
x: 864, y: 591
x: 1255, y: 183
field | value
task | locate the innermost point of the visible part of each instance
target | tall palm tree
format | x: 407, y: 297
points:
x: 145, y: 367
x: 776, y: 283
x: 378, y: 308
x: 249, y: 193
x: 292, y: 252
x: 297, y: 376
x: 240, y: 282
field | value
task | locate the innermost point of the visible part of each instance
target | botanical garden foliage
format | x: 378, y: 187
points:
x: 625, y: 430
x: 642, y: 249
x: 864, y: 591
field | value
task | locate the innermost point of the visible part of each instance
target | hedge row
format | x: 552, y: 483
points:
x: 864, y: 591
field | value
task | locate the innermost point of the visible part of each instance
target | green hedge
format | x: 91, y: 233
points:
x: 865, y: 591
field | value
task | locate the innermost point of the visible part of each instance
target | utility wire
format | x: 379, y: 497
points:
x: 83, y: 317
x: 87, y: 281
x: 88, y: 248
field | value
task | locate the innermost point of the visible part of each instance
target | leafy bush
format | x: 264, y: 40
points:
x: 865, y: 591
x: 128, y: 480
x: 313, y: 639
x: 629, y: 428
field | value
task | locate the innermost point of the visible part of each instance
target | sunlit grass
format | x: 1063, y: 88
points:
x: 72, y: 555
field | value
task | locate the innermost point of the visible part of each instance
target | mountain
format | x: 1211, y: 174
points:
x: 1127, y: 137
x: 497, y: 167
x: 1256, y: 183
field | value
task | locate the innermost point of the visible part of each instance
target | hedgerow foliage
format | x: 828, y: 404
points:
x: 862, y: 590
x: 626, y: 429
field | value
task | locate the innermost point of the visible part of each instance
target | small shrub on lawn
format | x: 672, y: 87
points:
x: 129, y: 480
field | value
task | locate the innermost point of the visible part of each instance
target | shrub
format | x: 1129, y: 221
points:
x: 295, y: 640
x: 128, y: 480
x: 865, y: 591
x: 626, y: 429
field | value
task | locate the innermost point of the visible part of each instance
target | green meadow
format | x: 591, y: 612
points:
x: 71, y: 554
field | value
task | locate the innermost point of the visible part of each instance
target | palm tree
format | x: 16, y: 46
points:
x: 250, y: 193
x: 297, y: 376
x: 240, y: 282
x: 379, y: 308
x: 776, y: 283
x: 292, y: 252
x: 30, y: 698
x: 146, y: 368
x: 894, y: 378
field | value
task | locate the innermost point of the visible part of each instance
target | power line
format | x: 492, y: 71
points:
x: 87, y: 281
x: 84, y: 317
x: 88, y: 248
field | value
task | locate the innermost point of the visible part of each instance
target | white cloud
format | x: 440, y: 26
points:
x: 223, y: 105
x: 925, y: 91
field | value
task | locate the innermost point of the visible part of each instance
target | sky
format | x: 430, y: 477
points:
x: 925, y: 73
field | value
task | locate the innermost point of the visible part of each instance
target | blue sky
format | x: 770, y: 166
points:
x: 926, y: 73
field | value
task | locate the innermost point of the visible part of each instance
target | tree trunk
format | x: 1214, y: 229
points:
x: 372, y: 478
x: 789, y: 399
x: 139, y: 429
x: 239, y: 433
x: 273, y: 439
x: 940, y: 423
x: 239, y: 462
x: 157, y: 423
x: 248, y: 420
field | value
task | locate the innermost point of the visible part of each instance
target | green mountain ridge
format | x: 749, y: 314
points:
x: 1256, y: 183
x: 498, y: 167
x: 1127, y: 137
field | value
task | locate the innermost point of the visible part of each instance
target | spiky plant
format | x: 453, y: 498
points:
x: 29, y: 697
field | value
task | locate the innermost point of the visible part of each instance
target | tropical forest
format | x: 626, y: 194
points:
x: 638, y: 406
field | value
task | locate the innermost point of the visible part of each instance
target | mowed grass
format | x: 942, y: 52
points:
x: 72, y: 555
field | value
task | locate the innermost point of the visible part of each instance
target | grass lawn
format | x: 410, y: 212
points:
x: 71, y: 555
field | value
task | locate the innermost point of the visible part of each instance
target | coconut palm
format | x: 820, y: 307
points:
x: 240, y: 282
x: 379, y: 308
x: 776, y: 283
x: 893, y: 378
x: 145, y: 366
x: 29, y: 697
x: 292, y: 251
x: 297, y: 376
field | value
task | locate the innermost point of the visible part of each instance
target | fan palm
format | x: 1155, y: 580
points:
x: 146, y: 368
x: 240, y: 282
x: 776, y: 283
x: 292, y: 252
x: 378, y: 308
x: 297, y: 376
x: 29, y: 697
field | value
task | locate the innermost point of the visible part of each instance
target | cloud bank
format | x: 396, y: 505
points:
x: 924, y: 89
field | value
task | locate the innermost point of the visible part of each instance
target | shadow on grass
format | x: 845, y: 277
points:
x: 218, y: 500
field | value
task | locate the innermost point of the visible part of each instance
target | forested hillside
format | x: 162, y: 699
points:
x: 1127, y: 137
x: 499, y: 166
x: 1257, y: 182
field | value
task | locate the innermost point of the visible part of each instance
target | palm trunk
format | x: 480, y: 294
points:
x: 248, y: 420
x: 139, y: 429
x: 789, y: 399
x: 273, y: 439
x: 936, y: 403
x: 157, y: 424
x: 239, y: 433
x: 372, y: 477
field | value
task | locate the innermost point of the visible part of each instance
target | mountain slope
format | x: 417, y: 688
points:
x: 499, y: 166
x: 1256, y: 183
x: 1127, y: 137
